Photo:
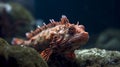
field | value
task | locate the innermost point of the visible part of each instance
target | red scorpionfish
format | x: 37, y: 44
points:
x: 56, y: 37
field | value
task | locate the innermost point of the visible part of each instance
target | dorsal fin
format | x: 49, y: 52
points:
x: 53, y: 23
x: 64, y: 20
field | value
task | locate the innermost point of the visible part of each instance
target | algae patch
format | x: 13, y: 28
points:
x: 17, y: 56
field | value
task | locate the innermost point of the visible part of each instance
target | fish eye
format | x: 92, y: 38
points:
x: 72, y: 30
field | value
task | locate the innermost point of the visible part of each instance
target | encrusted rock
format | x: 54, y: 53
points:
x: 95, y: 57
x: 17, y: 56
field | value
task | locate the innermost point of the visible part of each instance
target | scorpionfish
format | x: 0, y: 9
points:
x: 60, y: 37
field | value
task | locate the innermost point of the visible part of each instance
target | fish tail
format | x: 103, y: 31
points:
x: 17, y: 41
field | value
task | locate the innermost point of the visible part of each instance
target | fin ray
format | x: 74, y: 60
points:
x: 46, y: 53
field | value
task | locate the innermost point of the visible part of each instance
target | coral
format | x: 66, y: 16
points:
x: 95, y: 57
x: 17, y: 56
x: 56, y: 37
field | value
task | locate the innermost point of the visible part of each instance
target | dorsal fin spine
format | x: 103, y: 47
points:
x: 53, y: 23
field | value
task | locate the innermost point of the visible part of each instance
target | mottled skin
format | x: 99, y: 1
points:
x: 56, y: 37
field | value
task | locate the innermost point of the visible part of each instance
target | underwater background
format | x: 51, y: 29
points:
x: 97, y: 15
x: 101, y: 19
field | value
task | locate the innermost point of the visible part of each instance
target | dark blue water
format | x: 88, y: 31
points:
x: 96, y: 15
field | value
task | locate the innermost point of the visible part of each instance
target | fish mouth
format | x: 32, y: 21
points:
x: 80, y: 37
x: 78, y: 40
x: 84, y: 36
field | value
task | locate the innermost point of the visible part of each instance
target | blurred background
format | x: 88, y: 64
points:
x: 100, y: 17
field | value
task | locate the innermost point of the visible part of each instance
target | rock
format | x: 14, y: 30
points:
x: 95, y: 57
x: 30, y: 5
x: 20, y: 12
x: 3, y: 43
x: 17, y: 56
x: 13, y: 19
x: 109, y: 39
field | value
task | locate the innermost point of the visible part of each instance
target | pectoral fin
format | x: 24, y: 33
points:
x: 46, y: 53
x: 70, y: 55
